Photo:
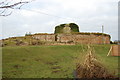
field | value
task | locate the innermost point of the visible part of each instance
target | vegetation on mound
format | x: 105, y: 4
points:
x: 22, y: 41
x: 91, y: 33
x: 82, y: 33
x: 42, y: 34
x: 74, y: 28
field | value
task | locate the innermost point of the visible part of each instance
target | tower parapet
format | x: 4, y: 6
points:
x: 67, y: 28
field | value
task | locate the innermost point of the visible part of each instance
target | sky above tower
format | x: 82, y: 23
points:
x: 41, y: 16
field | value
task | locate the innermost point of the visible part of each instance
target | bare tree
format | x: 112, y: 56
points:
x: 6, y: 6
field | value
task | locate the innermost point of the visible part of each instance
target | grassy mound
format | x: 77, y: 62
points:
x: 40, y: 61
x: 49, y: 61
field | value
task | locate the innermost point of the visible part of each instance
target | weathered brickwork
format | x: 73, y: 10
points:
x: 45, y: 37
x: 74, y: 38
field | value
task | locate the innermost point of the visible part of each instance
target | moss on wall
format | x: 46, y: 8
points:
x: 74, y: 28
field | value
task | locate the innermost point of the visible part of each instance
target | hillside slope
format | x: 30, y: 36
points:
x: 50, y: 61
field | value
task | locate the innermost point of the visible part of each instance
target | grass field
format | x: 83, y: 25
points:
x: 50, y: 61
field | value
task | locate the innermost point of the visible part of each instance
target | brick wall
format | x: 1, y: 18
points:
x: 76, y: 38
x: 45, y: 37
x: 116, y: 50
x: 85, y: 39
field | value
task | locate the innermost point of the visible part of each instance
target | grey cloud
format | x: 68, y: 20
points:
x: 89, y: 18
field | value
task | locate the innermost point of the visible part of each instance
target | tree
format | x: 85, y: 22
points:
x: 117, y: 42
x: 28, y: 34
x: 6, y: 6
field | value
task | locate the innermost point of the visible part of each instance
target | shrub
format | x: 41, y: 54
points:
x: 28, y: 34
x: 19, y: 42
x: 38, y: 43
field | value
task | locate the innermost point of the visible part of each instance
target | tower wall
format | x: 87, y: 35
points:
x: 75, y: 38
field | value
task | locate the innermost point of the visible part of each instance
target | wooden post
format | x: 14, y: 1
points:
x: 109, y: 51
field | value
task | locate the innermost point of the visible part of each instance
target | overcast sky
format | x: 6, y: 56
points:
x: 41, y: 16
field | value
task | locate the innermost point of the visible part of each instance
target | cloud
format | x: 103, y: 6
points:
x: 44, y: 15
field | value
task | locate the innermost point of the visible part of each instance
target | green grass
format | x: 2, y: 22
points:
x: 49, y: 61
x: 110, y: 62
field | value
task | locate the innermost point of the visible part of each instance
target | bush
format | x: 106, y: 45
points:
x: 19, y: 42
x: 28, y: 34
x: 38, y: 43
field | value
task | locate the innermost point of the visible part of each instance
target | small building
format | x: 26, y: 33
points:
x: 115, y: 50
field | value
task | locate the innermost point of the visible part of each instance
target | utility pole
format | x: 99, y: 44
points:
x: 103, y: 34
x: 102, y: 29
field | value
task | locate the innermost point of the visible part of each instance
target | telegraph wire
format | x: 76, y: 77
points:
x: 40, y: 12
x: 52, y: 15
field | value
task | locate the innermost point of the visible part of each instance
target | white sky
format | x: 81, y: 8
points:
x: 41, y: 16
